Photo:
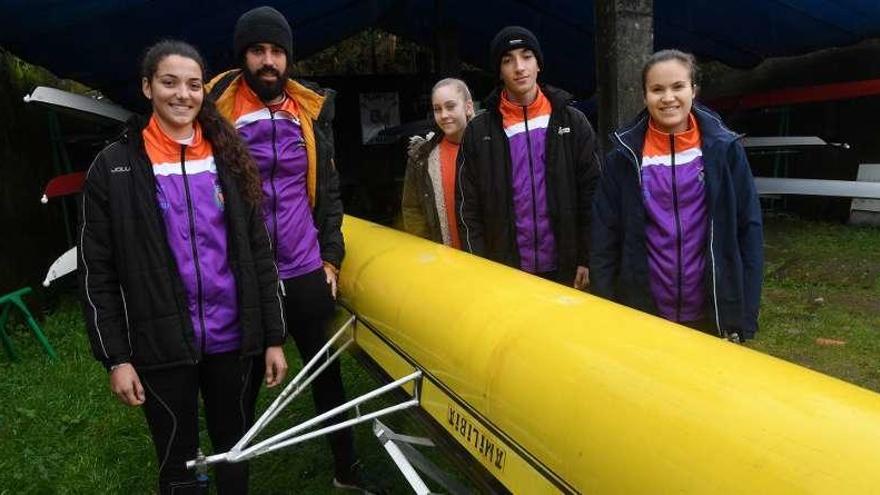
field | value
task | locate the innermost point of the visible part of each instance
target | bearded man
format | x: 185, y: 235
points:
x: 287, y: 126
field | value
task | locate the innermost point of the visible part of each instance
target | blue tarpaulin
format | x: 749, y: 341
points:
x: 100, y: 42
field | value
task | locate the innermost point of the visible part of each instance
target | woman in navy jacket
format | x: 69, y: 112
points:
x: 676, y: 227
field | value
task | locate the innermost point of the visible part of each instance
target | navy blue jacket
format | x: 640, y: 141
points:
x: 735, y: 250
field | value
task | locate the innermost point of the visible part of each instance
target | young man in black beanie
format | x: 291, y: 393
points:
x: 287, y: 125
x: 527, y: 169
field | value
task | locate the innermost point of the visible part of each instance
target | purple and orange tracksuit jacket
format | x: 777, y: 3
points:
x: 293, y: 149
x: 191, y: 201
x: 677, y: 227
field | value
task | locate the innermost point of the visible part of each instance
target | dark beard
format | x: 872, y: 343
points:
x: 265, y: 91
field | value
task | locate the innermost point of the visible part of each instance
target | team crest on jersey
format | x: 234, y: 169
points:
x: 218, y: 196
x: 161, y: 198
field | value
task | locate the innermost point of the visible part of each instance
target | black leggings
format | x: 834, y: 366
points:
x: 308, y: 307
x: 229, y: 387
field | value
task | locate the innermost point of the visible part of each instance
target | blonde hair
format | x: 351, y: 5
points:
x: 460, y: 85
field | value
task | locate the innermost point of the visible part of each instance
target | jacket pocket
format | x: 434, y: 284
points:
x: 158, y: 342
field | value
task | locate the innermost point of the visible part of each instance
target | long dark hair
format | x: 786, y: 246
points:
x: 227, y: 145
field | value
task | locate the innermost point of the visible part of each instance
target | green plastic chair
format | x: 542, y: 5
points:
x: 11, y: 301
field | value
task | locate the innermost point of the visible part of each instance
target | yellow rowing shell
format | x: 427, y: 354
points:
x: 553, y: 390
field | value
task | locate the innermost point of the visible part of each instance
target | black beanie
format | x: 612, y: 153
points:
x: 262, y: 25
x: 511, y: 38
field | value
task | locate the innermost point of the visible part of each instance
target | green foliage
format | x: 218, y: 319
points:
x: 24, y: 76
x: 371, y: 51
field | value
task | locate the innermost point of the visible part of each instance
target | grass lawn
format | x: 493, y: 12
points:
x: 62, y: 432
x: 821, y: 300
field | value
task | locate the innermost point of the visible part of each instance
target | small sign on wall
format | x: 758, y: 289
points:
x: 378, y: 111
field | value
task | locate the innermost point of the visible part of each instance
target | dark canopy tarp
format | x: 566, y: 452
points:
x: 99, y: 42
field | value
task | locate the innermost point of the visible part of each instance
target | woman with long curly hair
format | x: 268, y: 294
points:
x: 180, y: 291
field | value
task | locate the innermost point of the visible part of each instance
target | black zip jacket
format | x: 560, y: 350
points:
x: 328, y: 204
x: 484, y: 192
x: 735, y: 251
x: 133, y: 298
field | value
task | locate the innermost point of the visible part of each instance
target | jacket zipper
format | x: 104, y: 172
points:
x: 319, y: 183
x: 635, y: 161
x: 140, y: 150
x: 678, y: 233
x: 714, y: 281
x: 195, y: 251
x: 534, y: 189
x: 274, y: 191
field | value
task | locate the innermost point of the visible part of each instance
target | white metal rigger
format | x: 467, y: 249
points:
x: 241, y: 451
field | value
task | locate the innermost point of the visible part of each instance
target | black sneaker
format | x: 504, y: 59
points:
x: 354, y: 486
x: 357, y: 481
